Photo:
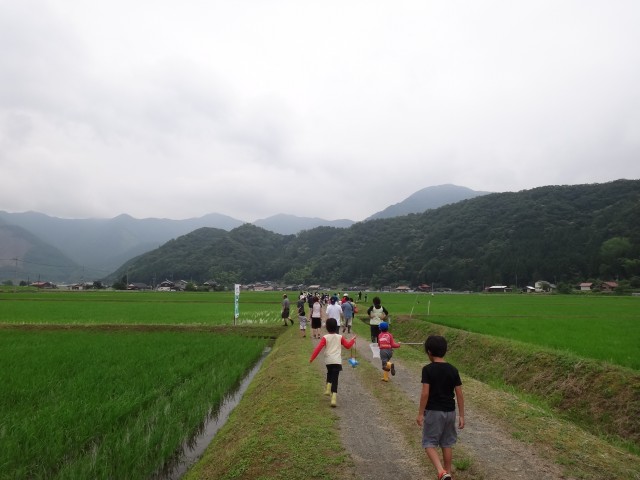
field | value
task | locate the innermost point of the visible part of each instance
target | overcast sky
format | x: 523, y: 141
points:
x: 334, y: 109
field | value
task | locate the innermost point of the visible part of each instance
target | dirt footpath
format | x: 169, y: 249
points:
x: 381, y: 452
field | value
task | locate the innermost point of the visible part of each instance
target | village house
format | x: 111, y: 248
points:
x: 43, y: 285
x: 166, y: 286
x: 497, y: 288
x: 403, y: 288
x: 608, y: 286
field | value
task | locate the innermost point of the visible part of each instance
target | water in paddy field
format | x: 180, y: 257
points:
x: 193, y: 450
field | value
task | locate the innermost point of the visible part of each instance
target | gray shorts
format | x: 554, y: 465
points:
x: 439, y: 429
x: 385, y: 356
x: 303, y: 322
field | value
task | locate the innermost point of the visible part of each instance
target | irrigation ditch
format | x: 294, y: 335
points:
x: 193, y: 449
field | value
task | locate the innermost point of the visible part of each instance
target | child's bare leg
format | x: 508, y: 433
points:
x: 432, y: 453
x: 447, y: 456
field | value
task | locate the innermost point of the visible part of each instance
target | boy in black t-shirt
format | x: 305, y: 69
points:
x: 441, y: 388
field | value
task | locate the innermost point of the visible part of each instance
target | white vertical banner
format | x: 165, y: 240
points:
x: 237, y: 300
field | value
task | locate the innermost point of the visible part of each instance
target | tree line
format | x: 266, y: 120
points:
x: 561, y: 234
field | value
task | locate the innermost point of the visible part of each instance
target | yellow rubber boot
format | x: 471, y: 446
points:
x: 334, y: 399
x: 385, y: 376
x: 391, y: 367
x: 327, y: 390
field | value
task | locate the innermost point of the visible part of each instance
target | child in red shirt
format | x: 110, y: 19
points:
x: 386, y: 344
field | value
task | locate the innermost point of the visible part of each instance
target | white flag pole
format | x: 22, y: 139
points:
x: 237, y: 299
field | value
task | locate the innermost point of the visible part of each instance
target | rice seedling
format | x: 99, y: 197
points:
x: 80, y: 404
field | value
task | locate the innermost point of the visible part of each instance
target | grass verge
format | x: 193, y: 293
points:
x: 602, y: 398
x: 282, y: 428
x: 528, y: 417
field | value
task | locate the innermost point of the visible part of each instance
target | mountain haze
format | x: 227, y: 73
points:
x: 23, y: 256
x: 100, y: 246
x: 427, y: 199
x: 291, y: 224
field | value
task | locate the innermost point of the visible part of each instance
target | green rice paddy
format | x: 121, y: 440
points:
x: 83, y: 404
x: 597, y: 327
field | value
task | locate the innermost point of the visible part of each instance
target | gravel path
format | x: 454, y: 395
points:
x: 494, y: 452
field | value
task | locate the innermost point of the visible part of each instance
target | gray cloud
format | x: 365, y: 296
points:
x: 252, y: 109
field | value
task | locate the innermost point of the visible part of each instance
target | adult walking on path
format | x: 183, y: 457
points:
x: 302, y: 315
x: 377, y: 314
x: 316, y: 317
x: 285, y: 312
x: 347, y: 314
x: 334, y: 310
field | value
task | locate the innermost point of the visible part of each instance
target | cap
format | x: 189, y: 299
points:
x: 384, y: 326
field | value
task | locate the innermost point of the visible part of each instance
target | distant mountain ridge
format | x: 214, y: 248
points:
x: 428, y: 198
x: 25, y: 255
x: 291, y: 224
x: 101, y: 245
x: 97, y: 247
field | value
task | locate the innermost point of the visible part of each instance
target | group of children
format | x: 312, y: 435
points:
x: 441, y: 384
x: 338, y: 309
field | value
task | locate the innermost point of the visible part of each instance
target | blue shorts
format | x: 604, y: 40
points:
x: 439, y: 429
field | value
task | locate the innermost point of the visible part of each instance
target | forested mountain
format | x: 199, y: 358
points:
x: 555, y: 233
